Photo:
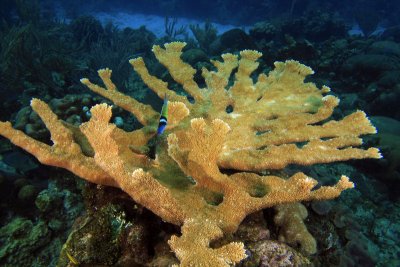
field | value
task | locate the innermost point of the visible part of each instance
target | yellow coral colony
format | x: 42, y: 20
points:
x: 184, y: 184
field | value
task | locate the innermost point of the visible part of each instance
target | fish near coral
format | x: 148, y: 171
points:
x: 153, y: 143
x: 269, y: 116
x: 164, y: 116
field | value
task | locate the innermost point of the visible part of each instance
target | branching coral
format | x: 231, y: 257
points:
x: 293, y: 231
x: 183, y: 184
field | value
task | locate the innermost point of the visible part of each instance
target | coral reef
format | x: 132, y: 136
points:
x: 388, y: 141
x: 86, y: 29
x: 73, y: 109
x: 204, y: 36
x: 293, y: 231
x: 34, y: 237
x: 245, y: 127
x: 373, y: 72
x: 86, y: 244
x: 19, y: 239
x: 261, y: 249
x: 359, y: 228
x: 273, y: 253
x: 232, y: 40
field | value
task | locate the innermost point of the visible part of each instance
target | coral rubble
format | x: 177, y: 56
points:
x: 246, y: 127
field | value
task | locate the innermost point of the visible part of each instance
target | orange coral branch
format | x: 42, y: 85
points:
x: 275, y: 121
x: 144, y: 113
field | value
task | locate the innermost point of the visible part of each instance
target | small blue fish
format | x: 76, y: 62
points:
x: 162, y: 124
x: 164, y: 117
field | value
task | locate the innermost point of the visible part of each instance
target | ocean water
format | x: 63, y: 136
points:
x: 84, y: 186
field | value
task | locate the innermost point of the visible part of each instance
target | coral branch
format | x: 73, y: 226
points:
x: 218, y: 80
x: 293, y: 231
x: 278, y: 157
x: 62, y: 154
x: 197, y: 235
x: 156, y: 85
x: 181, y: 72
x: 252, y: 126
x: 122, y: 164
x: 144, y: 113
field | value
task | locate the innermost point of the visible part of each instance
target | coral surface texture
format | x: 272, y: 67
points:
x: 206, y: 172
